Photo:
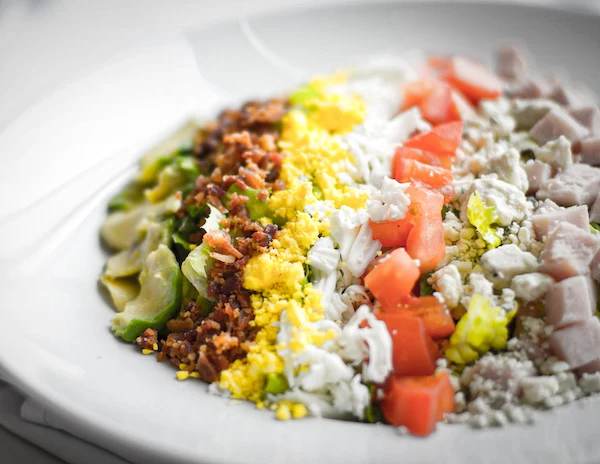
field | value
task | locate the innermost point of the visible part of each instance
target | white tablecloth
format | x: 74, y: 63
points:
x: 45, y: 43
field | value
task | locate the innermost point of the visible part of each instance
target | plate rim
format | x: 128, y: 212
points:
x: 76, y: 413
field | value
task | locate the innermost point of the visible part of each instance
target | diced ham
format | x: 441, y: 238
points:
x: 546, y: 206
x: 569, y: 96
x: 595, y: 210
x: 537, y: 173
x: 576, y: 185
x: 540, y: 87
x: 589, y: 368
x: 578, y: 344
x: 555, y: 123
x: 595, y: 267
x: 510, y: 62
x: 544, y: 223
x: 588, y: 116
x: 568, y: 251
x: 590, y: 151
x: 570, y: 300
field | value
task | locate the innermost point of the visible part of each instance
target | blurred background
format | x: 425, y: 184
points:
x: 45, y: 44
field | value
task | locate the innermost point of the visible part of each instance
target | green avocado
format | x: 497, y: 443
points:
x: 159, y: 298
x: 154, y: 160
x: 124, y: 229
x: 130, y: 262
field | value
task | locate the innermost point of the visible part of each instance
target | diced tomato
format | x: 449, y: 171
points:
x: 373, y: 264
x: 439, y: 179
x: 461, y: 108
x: 437, y: 107
x: 393, y: 278
x: 436, y: 318
x: 443, y: 139
x: 435, y: 99
x: 417, y: 402
x: 423, y: 156
x: 414, y: 92
x: 426, y: 242
x: 391, y: 233
x: 424, y: 203
x: 446, y: 403
x: 438, y: 65
x: 413, y: 351
x: 473, y: 79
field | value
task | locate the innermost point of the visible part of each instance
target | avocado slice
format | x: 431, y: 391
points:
x: 154, y: 160
x: 130, y: 262
x: 180, y: 172
x: 159, y: 298
x: 121, y: 290
x: 128, y: 198
x: 123, y: 229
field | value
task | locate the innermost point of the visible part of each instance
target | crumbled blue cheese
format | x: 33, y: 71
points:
x: 448, y: 282
x: 556, y: 153
x: 590, y: 383
x: 506, y: 165
x: 538, y: 389
x: 505, y: 262
x: 511, y: 204
x: 531, y: 286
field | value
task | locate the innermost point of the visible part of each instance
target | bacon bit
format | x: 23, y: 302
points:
x: 241, y: 138
x: 224, y: 342
x: 262, y: 195
x: 238, y: 149
x: 220, y: 242
x: 223, y: 258
x: 267, y: 142
x: 252, y: 178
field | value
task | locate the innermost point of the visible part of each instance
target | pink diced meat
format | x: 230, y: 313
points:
x: 537, y: 173
x: 595, y: 267
x: 590, y: 151
x: 575, y: 97
x: 544, y: 223
x: 578, y: 344
x: 595, y: 210
x: 570, y: 300
x: 588, y: 116
x: 510, y: 62
x: 568, y: 251
x: 540, y: 87
x: 576, y: 185
x: 555, y: 123
x: 589, y: 368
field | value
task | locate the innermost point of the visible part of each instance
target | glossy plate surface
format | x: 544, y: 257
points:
x: 63, y: 158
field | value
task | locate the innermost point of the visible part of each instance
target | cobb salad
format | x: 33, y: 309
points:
x: 409, y: 241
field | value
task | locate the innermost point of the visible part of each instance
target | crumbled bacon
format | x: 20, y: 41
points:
x: 239, y: 148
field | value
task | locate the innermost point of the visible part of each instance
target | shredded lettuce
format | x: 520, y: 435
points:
x: 482, y: 217
x: 197, y: 262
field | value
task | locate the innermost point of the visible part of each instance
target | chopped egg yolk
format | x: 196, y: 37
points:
x: 314, y: 155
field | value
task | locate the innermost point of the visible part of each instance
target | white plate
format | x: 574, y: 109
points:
x: 65, y: 156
